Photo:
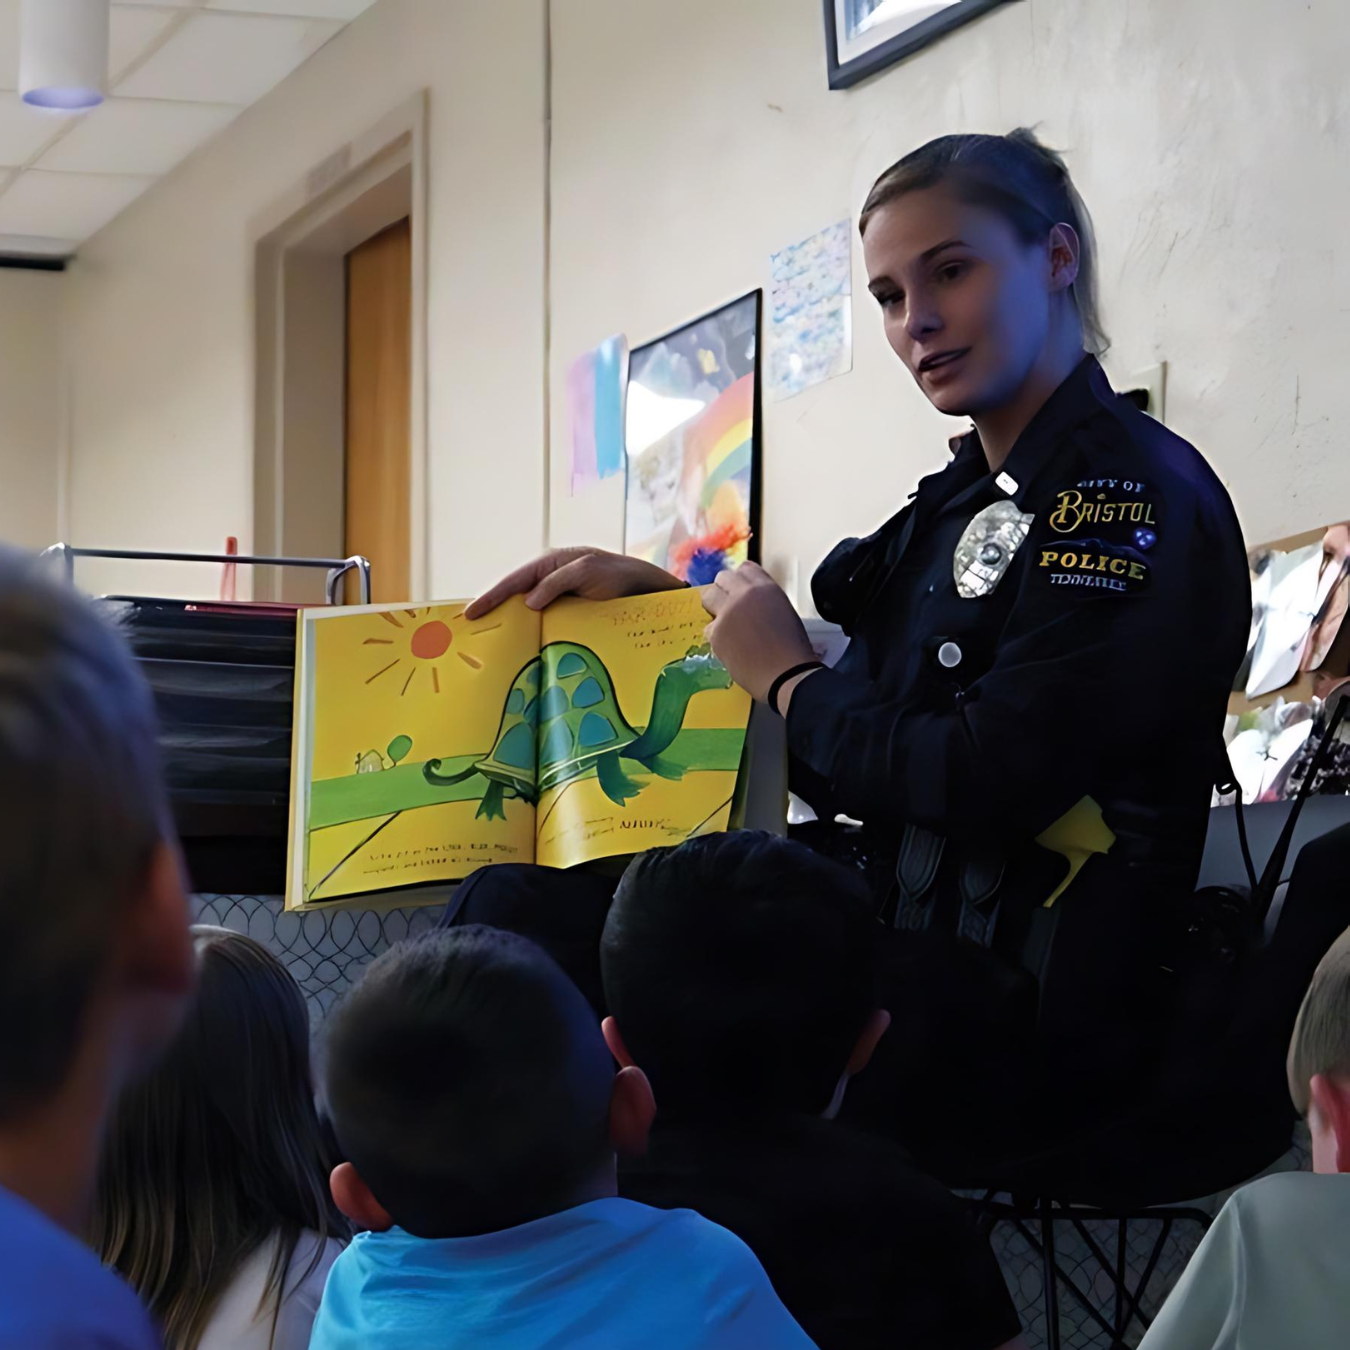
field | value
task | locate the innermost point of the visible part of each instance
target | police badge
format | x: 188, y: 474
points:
x: 987, y: 547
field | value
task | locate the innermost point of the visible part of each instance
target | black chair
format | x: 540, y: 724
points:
x: 1215, y: 1113
x: 223, y: 679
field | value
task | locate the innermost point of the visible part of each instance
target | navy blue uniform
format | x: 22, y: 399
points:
x: 1064, y: 679
x: 1095, y: 662
x: 1074, y: 693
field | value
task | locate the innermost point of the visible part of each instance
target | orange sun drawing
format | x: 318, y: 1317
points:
x: 426, y: 638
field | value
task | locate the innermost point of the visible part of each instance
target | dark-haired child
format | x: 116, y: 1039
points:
x: 740, y: 974
x: 479, y: 1110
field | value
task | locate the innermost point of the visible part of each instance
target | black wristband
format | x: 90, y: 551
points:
x: 791, y: 673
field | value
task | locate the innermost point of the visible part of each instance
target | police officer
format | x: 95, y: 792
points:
x: 1028, y: 717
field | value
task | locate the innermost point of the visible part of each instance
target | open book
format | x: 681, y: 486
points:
x: 426, y: 746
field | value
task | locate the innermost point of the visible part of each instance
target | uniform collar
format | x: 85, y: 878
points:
x: 1084, y: 391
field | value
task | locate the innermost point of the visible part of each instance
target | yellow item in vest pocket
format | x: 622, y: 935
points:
x: 1076, y: 836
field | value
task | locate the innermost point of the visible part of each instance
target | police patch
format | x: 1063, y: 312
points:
x: 986, y: 548
x: 1109, y: 504
x: 1093, y: 564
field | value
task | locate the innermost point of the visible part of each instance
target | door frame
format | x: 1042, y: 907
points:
x: 300, y: 247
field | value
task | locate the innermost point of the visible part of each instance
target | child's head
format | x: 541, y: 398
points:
x: 980, y: 253
x: 219, y: 1149
x: 471, y: 1091
x: 1319, y: 1059
x: 94, y: 953
x: 739, y: 969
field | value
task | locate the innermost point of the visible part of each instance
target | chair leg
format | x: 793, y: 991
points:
x: 1136, y: 1302
x: 1128, y: 1302
x: 1052, y: 1336
x: 1122, y: 1246
x: 1065, y: 1280
x: 1128, y: 1305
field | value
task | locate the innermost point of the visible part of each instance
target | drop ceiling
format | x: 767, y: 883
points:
x: 179, y: 72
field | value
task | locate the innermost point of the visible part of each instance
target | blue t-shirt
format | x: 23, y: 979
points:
x: 609, y: 1274
x: 54, y: 1295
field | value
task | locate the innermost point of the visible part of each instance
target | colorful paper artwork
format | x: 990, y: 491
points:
x: 596, y: 385
x: 1333, y: 597
x: 1299, y: 602
x: 811, y: 311
x: 1266, y: 743
x: 693, y: 445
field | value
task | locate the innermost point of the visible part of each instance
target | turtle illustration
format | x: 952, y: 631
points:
x: 561, y: 718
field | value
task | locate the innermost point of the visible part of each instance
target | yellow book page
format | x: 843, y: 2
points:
x: 408, y: 767
x: 640, y: 728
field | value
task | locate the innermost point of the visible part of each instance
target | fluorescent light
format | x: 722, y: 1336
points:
x: 63, y: 53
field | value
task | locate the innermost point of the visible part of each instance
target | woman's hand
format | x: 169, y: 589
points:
x: 755, y: 631
x: 590, y: 573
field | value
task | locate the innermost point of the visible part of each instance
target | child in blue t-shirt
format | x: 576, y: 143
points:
x: 479, y: 1110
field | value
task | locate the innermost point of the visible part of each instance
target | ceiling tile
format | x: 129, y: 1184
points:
x: 137, y: 136
x: 132, y: 30
x: 24, y: 130
x: 66, y: 205
x: 193, y: 64
x: 313, y: 9
x: 228, y: 58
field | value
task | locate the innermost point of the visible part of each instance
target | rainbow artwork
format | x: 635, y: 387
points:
x: 719, y: 457
x: 692, y: 446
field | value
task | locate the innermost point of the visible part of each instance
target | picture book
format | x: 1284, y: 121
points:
x: 426, y: 745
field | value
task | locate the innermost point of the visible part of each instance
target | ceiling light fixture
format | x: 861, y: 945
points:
x: 63, y: 53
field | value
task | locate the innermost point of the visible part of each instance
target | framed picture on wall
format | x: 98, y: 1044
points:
x: 693, y: 441
x: 865, y: 36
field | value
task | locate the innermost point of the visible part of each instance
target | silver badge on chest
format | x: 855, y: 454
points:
x: 987, y: 547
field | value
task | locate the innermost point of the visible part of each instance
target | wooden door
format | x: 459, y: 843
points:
x: 379, y: 411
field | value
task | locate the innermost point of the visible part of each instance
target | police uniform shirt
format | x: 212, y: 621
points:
x: 1066, y: 628
x: 864, y: 1249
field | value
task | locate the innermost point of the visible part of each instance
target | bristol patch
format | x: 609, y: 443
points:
x: 1103, y: 501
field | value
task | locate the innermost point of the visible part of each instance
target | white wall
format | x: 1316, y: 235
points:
x: 161, y: 341
x: 1210, y: 139
x: 30, y: 406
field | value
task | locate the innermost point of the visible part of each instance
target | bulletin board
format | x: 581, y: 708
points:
x: 1337, y: 661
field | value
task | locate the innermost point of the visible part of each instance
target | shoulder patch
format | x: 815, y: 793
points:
x: 1094, y: 564
x: 1107, y: 504
x: 1099, y: 535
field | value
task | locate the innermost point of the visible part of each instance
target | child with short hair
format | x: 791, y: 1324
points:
x: 95, y: 962
x: 1273, y: 1268
x: 740, y: 970
x: 472, y: 1094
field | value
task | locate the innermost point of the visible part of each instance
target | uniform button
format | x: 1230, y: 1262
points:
x: 932, y: 587
x: 949, y: 656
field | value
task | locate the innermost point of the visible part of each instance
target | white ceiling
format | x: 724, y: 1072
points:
x: 179, y: 71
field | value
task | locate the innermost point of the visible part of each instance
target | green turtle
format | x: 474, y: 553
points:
x: 561, y: 718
